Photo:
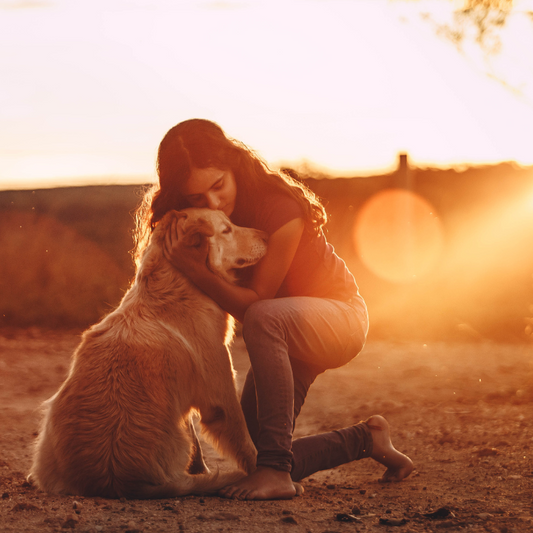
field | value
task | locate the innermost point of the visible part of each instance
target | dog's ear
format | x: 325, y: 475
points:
x: 164, y: 223
x: 154, y: 250
x: 176, y: 215
x: 195, y: 233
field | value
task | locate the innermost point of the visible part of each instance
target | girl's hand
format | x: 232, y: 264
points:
x: 190, y: 258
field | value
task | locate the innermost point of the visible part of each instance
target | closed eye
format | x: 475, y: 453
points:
x: 227, y: 229
x: 196, y: 200
x: 218, y: 185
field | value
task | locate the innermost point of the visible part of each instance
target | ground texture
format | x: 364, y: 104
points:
x: 462, y: 412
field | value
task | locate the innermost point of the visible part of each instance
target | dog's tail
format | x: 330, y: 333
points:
x: 188, y: 484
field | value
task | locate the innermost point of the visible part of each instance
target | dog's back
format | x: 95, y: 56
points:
x: 117, y: 427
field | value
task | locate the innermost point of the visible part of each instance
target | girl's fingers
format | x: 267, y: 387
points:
x: 171, y: 238
x: 168, y: 243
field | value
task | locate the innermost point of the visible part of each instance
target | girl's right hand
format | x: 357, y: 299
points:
x: 190, y: 258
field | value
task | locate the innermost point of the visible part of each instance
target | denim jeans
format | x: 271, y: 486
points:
x: 290, y: 341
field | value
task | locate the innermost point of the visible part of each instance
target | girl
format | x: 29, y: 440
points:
x: 301, y: 311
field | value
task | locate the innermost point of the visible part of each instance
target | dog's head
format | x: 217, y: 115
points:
x: 229, y: 247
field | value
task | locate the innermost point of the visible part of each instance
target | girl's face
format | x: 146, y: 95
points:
x: 212, y: 188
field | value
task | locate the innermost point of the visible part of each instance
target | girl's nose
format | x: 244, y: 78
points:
x: 213, y: 201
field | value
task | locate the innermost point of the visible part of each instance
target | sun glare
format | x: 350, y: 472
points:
x: 398, y: 236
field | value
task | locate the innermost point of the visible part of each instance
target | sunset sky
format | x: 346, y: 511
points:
x: 89, y: 87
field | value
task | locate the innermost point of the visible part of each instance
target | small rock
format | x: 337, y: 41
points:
x: 132, y: 527
x: 289, y: 520
x: 225, y: 516
x: 355, y: 510
x: 439, y: 514
x: 71, y: 522
x: 330, y: 487
x: 484, y: 516
x: 372, y: 496
x: 362, y: 491
x: 488, y: 452
x: 5, y: 496
x: 344, y: 517
x: 23, y: 506
x: 393, y: 521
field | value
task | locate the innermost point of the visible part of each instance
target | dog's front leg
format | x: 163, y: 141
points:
x: 197, y: 463
x: 226, y: 427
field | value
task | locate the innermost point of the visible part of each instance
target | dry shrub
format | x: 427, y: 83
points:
x: 52, y: 276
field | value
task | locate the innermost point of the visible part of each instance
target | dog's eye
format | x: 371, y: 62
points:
x: 227, y: 229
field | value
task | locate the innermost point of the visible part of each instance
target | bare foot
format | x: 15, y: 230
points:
x: 399, y: 466
x: 263, y: 484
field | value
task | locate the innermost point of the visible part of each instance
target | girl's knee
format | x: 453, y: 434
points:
x: 259, y: 317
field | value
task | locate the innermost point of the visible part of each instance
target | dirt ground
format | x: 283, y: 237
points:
x: 462, y: 412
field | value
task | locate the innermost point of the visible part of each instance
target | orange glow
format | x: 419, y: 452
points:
x: 529, y: 202
x: 86, y: 99
x: 398, y: 236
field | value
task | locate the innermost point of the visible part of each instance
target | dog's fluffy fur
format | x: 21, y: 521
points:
x: 120, y: 425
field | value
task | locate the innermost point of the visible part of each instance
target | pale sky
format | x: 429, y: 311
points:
x: 89, y: 87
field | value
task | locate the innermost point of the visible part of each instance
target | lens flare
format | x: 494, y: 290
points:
x: 398, y: 236
x: 529, y: 203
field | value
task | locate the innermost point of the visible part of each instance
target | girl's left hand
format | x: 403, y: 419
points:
x: 189, y: 259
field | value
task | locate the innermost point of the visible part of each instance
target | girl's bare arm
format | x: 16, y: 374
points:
x: 268, y: 274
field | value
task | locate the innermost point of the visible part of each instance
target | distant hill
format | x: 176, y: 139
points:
x: 466, y: 236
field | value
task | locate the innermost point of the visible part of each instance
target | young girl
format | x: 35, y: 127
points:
x: 301, y: 311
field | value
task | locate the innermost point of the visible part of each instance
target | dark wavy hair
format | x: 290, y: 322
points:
x: 199, y: 143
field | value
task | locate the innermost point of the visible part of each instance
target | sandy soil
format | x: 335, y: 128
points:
x: 461, y: 411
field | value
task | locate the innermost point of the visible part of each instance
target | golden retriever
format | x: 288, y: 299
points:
x: 120, y: 425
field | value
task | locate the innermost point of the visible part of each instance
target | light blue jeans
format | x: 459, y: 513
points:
x: 290, y: 341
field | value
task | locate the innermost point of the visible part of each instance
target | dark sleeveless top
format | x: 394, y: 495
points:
x: 316, y: 269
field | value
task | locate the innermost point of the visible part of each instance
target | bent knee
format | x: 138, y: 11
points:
x: 257, y: 313
x: 259, y: 317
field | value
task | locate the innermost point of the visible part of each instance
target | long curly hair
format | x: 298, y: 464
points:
x: 199, y: 143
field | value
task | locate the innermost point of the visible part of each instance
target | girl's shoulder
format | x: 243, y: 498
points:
x: 271, y: 211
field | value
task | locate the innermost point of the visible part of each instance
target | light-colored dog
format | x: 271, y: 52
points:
x: 120, y: 425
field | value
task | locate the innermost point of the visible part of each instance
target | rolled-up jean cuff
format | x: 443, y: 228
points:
x: 275, y: 463
x: 369, y: 441
x: 329, y: 450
